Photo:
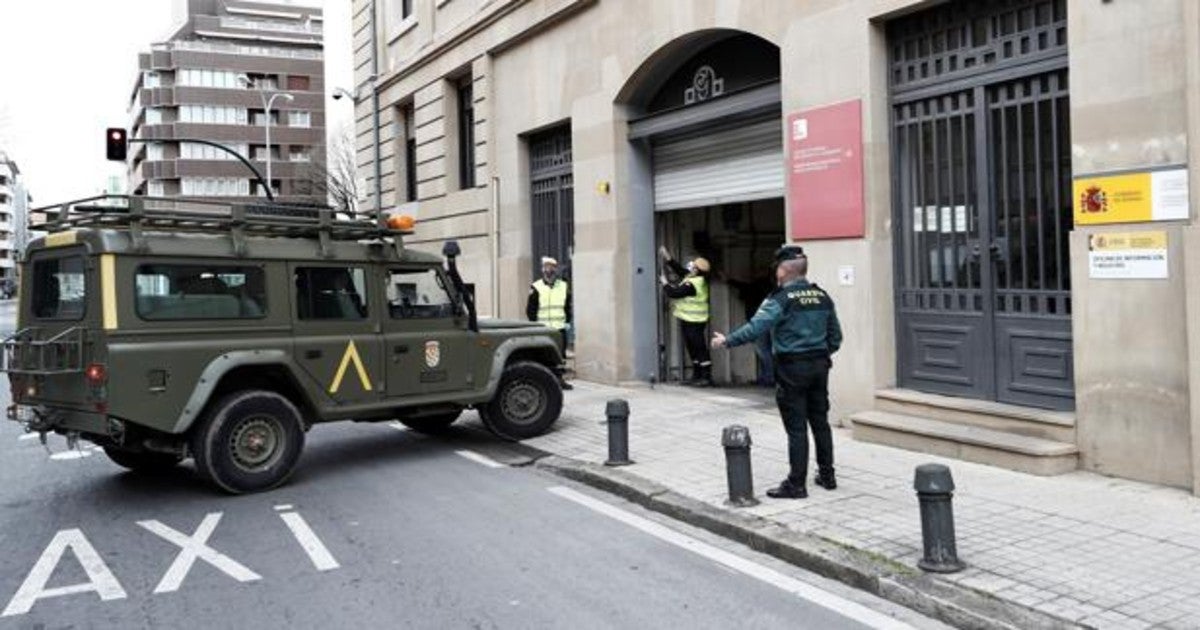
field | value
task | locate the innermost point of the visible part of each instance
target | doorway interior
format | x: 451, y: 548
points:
x: 739, y: 240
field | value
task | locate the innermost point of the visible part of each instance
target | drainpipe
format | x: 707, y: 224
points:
x: 375, y: 113
x: 495, y: 247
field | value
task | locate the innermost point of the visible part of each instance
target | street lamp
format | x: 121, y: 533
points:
x: 247, y: 83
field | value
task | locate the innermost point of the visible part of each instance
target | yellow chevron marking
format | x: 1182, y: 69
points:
x: 350, y: 356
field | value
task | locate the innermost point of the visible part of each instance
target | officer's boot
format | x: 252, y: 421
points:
x: 705, y: 379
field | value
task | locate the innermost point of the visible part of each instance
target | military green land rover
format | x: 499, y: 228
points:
x: 162, y: 330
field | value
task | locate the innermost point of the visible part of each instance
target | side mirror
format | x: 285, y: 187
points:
x: 451, y: 250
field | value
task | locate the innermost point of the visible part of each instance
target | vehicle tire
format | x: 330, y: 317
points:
x: 432, y: 424
x: 249, y: 441
x: 528, y: 401
x: 142, y: 461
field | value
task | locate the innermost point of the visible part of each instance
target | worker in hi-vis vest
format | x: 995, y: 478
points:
x: 690, y: 306
x: 550, y: 300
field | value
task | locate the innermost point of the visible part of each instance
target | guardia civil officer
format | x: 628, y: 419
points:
x: 549, y: 302
x: 804, y: 332
x: 689, y: 297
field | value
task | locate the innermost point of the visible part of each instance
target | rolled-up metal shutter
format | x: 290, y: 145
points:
x: 741, y: 163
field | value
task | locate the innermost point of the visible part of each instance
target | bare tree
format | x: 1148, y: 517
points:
x: 333, y: 179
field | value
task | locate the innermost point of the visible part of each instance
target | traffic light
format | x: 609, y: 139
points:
x: 117, y: 143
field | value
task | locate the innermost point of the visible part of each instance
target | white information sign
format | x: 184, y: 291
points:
x: 1128, y: 256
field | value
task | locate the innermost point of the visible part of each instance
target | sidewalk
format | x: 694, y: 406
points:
x: 1080, y: 547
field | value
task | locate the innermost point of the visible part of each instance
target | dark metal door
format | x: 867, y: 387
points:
x: 552, y: 194
x: 1030, y: 164
x: 981, y: 183
x: 945, y: 318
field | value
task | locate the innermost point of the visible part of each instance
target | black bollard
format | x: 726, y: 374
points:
x: 617, y: 412
x: 736, y: 440
x: 935, y: 489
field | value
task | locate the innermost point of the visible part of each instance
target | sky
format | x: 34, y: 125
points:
x: 67, y: 69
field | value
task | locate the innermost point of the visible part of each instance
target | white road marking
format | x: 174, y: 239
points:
x: 27, y: 436
x: 397, y: 426
x: 825, y: 599
x: 728, y: 400
x: 193, y: 547
x: 79, y: 453
x: 480, y: 459
x: 316, y: 550
x: 284, y: 507
x: 100, y: 579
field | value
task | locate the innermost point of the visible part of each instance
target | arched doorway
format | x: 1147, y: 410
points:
x: 705, y: 120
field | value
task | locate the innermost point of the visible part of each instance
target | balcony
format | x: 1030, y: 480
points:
x: 242, y: 50
x: 311, y: 27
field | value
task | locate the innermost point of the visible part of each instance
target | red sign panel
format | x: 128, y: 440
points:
x: 825, y: 172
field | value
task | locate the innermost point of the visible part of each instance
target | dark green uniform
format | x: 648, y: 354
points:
x: 804, y: 333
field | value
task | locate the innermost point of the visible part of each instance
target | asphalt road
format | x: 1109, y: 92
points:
x: 379, y: 527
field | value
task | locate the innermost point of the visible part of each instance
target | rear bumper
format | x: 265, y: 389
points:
x: 59, y: 420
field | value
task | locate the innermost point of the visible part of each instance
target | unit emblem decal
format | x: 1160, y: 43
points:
x: 433, y: 353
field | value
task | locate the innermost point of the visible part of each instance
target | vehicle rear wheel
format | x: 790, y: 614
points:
x: 142, y: 461
x: 250, y: 441
x: 432, y: 424
x: 527, y: 402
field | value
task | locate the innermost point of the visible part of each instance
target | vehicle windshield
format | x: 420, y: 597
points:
x: 59, y: 288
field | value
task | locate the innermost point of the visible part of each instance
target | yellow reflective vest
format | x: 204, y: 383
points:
x: 693, y: 308
x: 552, y: 303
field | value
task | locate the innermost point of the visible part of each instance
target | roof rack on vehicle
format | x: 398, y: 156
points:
x: 139, y: 214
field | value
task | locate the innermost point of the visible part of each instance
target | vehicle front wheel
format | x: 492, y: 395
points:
x: 250, y: 441
x: 432, y: 424
x: 528, y: 401
x: 142, y: 461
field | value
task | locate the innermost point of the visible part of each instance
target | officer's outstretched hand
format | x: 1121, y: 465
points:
x: 718, y: 340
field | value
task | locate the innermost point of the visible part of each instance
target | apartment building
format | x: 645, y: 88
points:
x: 233, y: 73
x: 14, y: 216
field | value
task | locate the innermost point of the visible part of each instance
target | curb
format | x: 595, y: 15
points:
x: 950, y: 603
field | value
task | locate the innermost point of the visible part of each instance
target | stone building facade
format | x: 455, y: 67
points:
x: 995, y: 193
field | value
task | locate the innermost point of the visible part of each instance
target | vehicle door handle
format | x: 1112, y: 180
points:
x: 400, y: 349
x: 313, y: 354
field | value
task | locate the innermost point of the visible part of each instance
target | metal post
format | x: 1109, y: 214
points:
x: 617, y: 412
x: 736, y: 440
x: 267, y: 114
x: 935, y: 489
x: 267, y: 102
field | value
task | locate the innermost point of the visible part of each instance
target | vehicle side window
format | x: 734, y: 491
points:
x: 331, y: 293
x: 418, y: 294
x: 167, y: 292
x: 59, y: 288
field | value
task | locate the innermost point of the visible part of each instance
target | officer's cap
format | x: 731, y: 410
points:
x: 789, y: 252
x: 546, y: 260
